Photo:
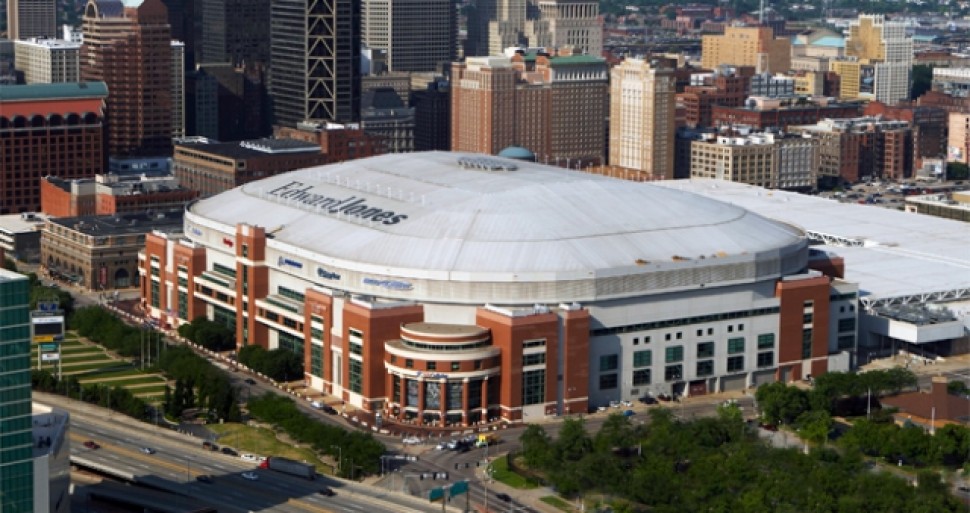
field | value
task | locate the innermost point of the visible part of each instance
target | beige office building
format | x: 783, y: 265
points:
x: 958, y: 140
x: 47, y: 61
x: 884, y: 45
x: 747, y: 46
x: 767, y: 160
x: 642, y: 124
x: 567, y: 23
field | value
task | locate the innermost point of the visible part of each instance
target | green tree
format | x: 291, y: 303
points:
x: 537, y: 448
x: 781, y: 403
x: 922, y: 80
x: 573, y: 442
x: 814, y: 426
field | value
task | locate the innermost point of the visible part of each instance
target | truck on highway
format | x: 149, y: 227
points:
x: 487, y: 439
x: 289, y: 466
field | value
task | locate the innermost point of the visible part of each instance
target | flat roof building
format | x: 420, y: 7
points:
x: 46, y: 61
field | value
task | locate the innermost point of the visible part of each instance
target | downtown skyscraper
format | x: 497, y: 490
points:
x: 315, y: 61
x: 16, y: 438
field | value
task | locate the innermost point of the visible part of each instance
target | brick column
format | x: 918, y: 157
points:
x: 485, y: 399
x: 464, y: 402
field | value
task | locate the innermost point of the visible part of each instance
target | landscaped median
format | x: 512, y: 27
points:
x: 264, y: 442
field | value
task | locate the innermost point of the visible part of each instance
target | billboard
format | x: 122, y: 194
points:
x: 50, y: 357
x: 47, y: 326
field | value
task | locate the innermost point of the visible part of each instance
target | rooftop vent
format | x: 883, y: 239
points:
x: 486, y: 163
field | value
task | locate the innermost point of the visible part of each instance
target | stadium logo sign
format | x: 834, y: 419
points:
x: 292, y: 263
x: 352, y: 206
x: 388, y: 284
x: 327, y: 275
x: 195, y: 231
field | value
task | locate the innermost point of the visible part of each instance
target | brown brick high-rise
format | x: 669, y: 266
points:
x: 128, y: 48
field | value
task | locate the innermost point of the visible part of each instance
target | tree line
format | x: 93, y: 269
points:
x: 279, y: 364
x: 103, y: 327
x: 359, y: 450
x: 198, y: 384
x: 716, y: 464
x: 115, y: 398
x: 211, y: 335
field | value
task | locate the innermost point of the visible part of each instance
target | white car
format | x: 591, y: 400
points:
x: 440, y: 447
x: 252, y: 476
x: 317, y: 405
x: 249, y: 457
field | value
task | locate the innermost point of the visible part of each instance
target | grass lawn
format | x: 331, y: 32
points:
x: 95, y: 376
x: 150, y: 390
x: 142, y: 380
x: 501, y: 472
x: 263, y: 442
x: 108, y: 366
x: 552, y: 500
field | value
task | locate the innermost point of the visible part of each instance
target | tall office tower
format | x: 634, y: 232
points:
x: 314, y: 61
x: 418, y: 35
x: 129, y: 48
x: 31, y: 18
x: 178, y: 88
x: 562, y: 23
x: 747, y: 46
x: 47, y: 61
x: 554, y: 106
x: 885, y: 46
x: 16, y: 438
x: 642, y: 131
x: 233, y: 31
x: 432, y: 116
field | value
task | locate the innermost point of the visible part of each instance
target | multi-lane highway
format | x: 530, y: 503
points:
x: 177, y: 460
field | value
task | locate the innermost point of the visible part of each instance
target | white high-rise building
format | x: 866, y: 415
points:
x: 642, y: 124
x: 47, y: 61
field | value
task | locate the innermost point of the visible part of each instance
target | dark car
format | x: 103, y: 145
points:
x: 204, y: 478
x: 210, y: 446
x: 329, y: 409
x: 648, y: 400
x: 90, y: 444
x: 250, y: 381
x: 504, y: 496
x: 229, y: 451
x: 327, y: 491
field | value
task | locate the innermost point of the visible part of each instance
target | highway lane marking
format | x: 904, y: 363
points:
x: 306, y: 506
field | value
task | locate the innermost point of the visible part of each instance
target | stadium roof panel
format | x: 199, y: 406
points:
x: 901, y: 253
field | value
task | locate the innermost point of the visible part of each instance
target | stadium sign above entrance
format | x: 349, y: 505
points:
x: 353, y: 206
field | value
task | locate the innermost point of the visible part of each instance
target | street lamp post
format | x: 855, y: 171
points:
x: 340, y: 457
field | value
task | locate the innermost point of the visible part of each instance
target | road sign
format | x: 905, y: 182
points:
x: 436, y: 494
x: 50, y: 357
x: 48, y: 347
x: 458, y: 488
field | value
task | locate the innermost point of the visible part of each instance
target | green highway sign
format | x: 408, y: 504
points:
x: 436, y: 494
x: 48, y: 347
x: 459, y: 488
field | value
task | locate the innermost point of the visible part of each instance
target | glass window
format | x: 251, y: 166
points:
x: 807, y: 343
x: 674, y: 354
x: 735, y: 363
x: 673, y: 372
x: 432, y: 395
x: 766, y: 359
x: 766, y: 341
x: 847, y: 324
x: 641, y: 377
x: 432, y: 366
x: 735, y: 345
x: 705, y: 367
x: 705, y: 349
x: 642, y: 358
x: 455, y: 366
x: 533, y: 359
x: 609, y: 362
x: 846, y: 341
x: 409, y: 363
x: 533, y: 386
x: 356, y: 376
x: 608, y: 381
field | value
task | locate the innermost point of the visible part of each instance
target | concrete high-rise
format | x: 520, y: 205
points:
x: 642, y: 124
x: 418, y: 35
x: 31, y: 18
x: 567, y: 23
x: 747, y: 46
x: 884, y: 45
x: 315, y: 61
x: 554, y: 106
x: 47, y: 61
x: 16, y: 434
x: 231, y: 31
x: 129, y: 48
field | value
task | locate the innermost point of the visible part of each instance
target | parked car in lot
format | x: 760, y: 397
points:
x: 647, y: 400
x: 330, y: 410
x: 250, y: 381
x: 412, y: 440
x: 317, y: 405
x: 252, y: 476
x: 90, y: 444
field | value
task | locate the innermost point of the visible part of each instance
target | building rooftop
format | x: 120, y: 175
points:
x: 49, y: 428
x: 253, y: 148
x: 894, y: 256
x: 59, y: 91
x: 122, y: 224
x: 575, y: 60
x: 50, y: 43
